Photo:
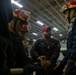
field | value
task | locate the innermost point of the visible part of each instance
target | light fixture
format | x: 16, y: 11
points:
x: 55, y: 29
x: 34, y: 40
x: 16, y: 3
x: 60, y: 34
x: 39, y: 22
x: 34, y: 34
x: 51, y: 36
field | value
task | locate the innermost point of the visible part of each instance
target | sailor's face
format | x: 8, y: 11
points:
x: 47, y: 34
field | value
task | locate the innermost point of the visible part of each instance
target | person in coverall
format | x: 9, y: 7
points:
x: 16, y: 55
x: 6, y: 15
x: 69, y: 11
x: 46, y: 51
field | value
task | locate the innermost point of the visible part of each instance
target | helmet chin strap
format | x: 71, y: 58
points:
x: 74, y: 13
x: 15, y: 22
x: 69, y: 15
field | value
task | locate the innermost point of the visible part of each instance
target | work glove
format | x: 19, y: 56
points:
x: 42, y: 60
x: 41, y: 57
x: 44, y: 63
x: 47, y: 64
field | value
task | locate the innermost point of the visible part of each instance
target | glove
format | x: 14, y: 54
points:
x: 42, y: 60
x: 47, y: 64
x: 41, y: 57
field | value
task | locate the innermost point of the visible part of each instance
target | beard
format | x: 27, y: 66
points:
x: 47, y: 36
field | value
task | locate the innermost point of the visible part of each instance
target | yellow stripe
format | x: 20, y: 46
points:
x: 71, y: 6
x: 19, y: 17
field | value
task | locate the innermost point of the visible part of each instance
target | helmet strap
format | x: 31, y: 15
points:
x: 74, y: 13
x: 15, y: 22
x: 69, y: 16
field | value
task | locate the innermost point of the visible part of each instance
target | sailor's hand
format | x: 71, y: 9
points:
x: 41, y: 57
x: 47, y: 64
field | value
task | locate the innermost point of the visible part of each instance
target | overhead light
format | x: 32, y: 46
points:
x: 16, y: 3
x: 40, y: 23
x: 60, y: 34
x: 34, y: 40
x: 34, y: 34
x: 51, y: 36
x: 55, y: 29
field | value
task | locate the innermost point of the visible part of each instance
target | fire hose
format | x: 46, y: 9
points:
x: 16, y: 71
x: 19, y: 71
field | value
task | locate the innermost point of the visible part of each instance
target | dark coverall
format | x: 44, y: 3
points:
x: 6, y: 15
x: 50, y: 51
x: 16, y: 55
x: 70, y: 58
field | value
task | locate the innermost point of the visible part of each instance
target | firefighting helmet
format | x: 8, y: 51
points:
x: 22, y: 15
x: 70, y: 5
